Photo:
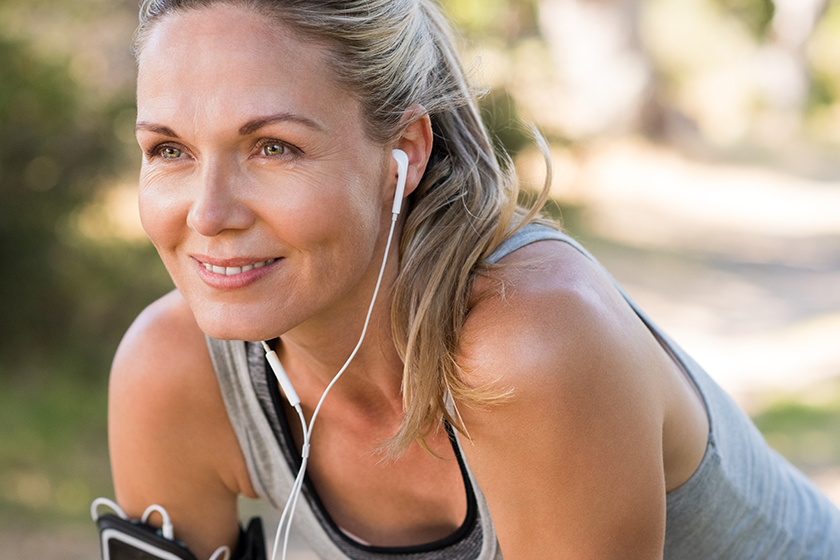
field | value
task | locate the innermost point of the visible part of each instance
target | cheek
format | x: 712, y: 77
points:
x: 160, y: 216
x: 326, y: 209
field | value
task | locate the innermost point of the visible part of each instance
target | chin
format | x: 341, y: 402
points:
x: 234, y: 326
x: 227, y: 333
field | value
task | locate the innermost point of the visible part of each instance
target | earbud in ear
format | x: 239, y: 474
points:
x: 402, y: 171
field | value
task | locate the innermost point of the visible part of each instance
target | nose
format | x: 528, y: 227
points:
x: 218, y: 204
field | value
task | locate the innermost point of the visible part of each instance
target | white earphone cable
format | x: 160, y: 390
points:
x: 297, y: 487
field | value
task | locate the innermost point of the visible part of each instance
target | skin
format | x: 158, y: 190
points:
x: 598, y: 408
x: 249, y: 160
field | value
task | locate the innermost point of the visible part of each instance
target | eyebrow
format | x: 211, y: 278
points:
x: 248, y: 128
x: 255, y: 124
x: 159, y: 128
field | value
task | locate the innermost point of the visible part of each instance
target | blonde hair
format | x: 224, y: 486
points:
x: 396, y: 56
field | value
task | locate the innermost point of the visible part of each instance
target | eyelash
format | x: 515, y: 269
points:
x: 288, y: 150
x: 157, y: 151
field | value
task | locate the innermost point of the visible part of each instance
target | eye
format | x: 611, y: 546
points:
x: 168, y: 152
x: 273, y: 149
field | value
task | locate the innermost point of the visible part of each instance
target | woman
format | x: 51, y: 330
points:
x: 267, y: 186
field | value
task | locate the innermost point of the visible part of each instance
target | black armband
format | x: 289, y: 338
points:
x: 126, y: 539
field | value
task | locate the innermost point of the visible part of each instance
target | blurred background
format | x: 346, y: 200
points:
x: 696, y: 149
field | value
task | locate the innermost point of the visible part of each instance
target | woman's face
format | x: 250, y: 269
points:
x: 266, y: 201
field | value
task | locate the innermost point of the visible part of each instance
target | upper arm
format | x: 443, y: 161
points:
x: 571, y: 463
x: 171, y: 442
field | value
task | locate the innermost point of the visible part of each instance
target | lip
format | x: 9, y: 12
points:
x: 249, y: 271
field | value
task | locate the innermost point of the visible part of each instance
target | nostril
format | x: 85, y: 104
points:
x: 205, y: 219
x: 213, y: 213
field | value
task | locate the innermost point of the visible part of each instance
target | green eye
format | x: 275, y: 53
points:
x: 274, y: 149
x: 170, y: 153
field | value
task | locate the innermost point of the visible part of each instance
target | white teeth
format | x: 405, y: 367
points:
x: 234, y: 270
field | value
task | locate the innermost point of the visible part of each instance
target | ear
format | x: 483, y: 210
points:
x: 416, y: 141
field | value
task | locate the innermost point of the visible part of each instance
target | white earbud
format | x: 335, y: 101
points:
x: 402, y: 171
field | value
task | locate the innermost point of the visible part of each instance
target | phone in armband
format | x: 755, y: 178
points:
x: 125, y: 539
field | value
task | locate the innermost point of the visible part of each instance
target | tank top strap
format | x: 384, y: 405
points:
x: 527, y: 235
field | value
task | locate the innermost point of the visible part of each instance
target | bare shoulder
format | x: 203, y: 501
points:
x: 165, y: 336
x: 575, y: 451
x: 170, y: 438
x: 549, y: 306
x: 161, y: 365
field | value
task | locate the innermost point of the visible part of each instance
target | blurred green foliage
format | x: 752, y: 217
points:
x: 63, y: 299
x: 803, y: 429
x: 53, y: 453
x: 825, y: 59
x: 41, y: 181
x: 754, y: 14
x: 501, y: 117
x: 508, y: 20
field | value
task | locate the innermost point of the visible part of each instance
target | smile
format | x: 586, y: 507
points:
x: 234, y: 270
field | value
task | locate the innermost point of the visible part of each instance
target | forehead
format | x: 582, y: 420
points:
x: 226, y: 58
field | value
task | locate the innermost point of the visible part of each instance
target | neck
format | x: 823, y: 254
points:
x: 321, y: 355
x: 315, y: 352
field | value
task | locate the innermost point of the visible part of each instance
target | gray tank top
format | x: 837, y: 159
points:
x: 743, y: 502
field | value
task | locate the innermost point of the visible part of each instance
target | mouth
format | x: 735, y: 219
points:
x: 234, y: 270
